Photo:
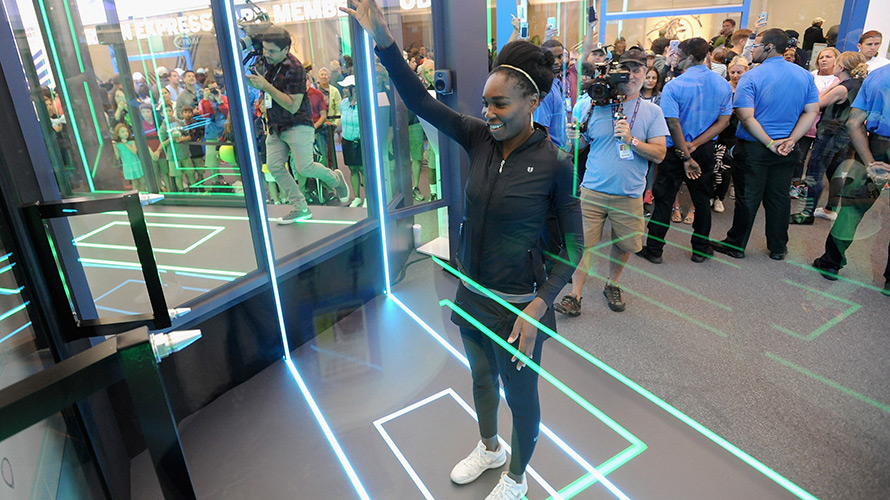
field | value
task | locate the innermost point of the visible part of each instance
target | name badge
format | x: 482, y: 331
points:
x: 267, y: 99
x: 624, y: 151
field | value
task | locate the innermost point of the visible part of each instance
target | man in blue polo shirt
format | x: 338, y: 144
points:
x: 697, y: 106
x: 776, y: 102
x: 624, y: 136
x: 871, y: 112
x: 551, y: 113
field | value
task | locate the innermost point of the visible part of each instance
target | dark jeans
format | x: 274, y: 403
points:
x: 761, y: 176
x: 488, y: 361
x: 672, y: 175
x: 858, y: 195
x: 803, y: 147
x: 829, y: 150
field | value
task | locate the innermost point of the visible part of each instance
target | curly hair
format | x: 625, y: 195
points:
x: 535, y: 61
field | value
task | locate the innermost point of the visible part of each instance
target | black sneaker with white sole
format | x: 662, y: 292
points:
x: 295, y: 215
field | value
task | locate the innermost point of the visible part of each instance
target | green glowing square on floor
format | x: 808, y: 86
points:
x: 212, y: 231
x: 814, y: 301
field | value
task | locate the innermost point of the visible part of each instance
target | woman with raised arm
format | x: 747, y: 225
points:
x: 517, y: 177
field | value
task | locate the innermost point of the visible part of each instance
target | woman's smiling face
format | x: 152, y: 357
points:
x: 505, y: 107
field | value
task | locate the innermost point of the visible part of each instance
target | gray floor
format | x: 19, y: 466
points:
x: 789, y: 367
x: 227, y: 253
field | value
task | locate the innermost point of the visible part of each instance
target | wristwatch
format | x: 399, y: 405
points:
x: 634, y: 142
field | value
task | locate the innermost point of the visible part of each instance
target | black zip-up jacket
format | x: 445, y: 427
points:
x: 507, y: 200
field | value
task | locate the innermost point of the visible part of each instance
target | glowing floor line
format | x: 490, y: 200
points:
x: 329, y: 434
x: 636, y: 447
x: 723, y: 443
x: 463, y: 404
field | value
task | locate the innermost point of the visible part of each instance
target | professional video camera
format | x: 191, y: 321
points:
x: 607, y: 77
x: 251, y: 43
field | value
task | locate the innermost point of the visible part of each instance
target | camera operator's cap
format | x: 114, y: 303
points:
x: 598, y: 46
x: 349, y: 81
x: 633, y: 55
x: 163, y: 71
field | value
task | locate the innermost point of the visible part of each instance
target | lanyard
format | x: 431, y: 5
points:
x: 633, y: 117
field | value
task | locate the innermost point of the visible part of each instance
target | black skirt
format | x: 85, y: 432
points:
x: 352, y: 152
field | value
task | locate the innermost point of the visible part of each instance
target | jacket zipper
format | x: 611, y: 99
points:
x: 485, y: 218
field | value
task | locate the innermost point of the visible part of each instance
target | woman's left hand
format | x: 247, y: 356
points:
x: 526, y: 332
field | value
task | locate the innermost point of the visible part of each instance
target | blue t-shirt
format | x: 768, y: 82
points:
x: 697, y: 98
x: 606, y: 172
x: 874, y: 99
x: 778, y: 91
x: 551, y: 113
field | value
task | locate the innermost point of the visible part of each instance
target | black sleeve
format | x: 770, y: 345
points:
x: 455, y: 125
x: 568, y: 214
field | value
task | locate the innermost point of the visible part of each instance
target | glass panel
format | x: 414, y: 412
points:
x: 140, y: 104
x: 323, y: 150
x: 411, y: 160
x: 635, y: 5
x: 644, y: 31
x: 42, y: 461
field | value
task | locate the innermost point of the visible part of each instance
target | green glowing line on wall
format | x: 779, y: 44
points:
x: 64, y: 86
x: 86, y: 90
x: 830, y: 383
x: 74, y: 37
x: 726, y: 445
x: 828, y: 324
x: 14, y: 310
x: 558, y: 384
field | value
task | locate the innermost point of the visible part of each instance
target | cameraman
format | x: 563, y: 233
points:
x: 621, y: 148
x: 697, y: 106
x: 291, y: 128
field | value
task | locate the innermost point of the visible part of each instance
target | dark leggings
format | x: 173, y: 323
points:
x: 487, y: 361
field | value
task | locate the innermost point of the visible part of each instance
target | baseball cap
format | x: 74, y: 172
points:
x: 633, y: 55
x: 349, y: 81
x: 598, y: 47
x: 163, y: 71
x: 201, y: 71
x: 179, y: 71
x: 137, y: 76
x: 818, y: 20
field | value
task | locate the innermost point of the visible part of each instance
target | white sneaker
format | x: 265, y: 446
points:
x: 477, y: 462
x: 365, y: 203
x: 824, y: 214
x: 508, y: 489
x: 718, y: 206
x: 355, y: 203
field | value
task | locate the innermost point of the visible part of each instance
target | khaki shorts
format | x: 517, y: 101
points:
x: 623, y: 212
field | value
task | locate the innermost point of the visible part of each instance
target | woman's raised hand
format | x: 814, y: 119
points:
x: 370, y: 17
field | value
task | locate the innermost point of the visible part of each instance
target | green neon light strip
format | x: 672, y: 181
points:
x: 136, y: 265
x: 74, y: 37
x: 6, y: 257
x: 714, y: 257
x: 652, y: 301
x: 488, y: 14
x: 74, y: 127
x: 726, y: 445
x: 236, y: 218
x: 11, y: 291
x: 809, y: 267
x: 828, y: 324
x: 214, y: 230
x: 7, y: 268
x: 52, y: 247
x: 86, y: 90
x: 830, y: 383
x: 14, y: 310
x: 562, y: 387
x: 345, y: 38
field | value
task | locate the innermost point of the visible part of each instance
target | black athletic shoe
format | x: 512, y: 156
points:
x: 569, y: 305
x: 648, y: 255
x: 613, y: 294
x: 829, y: 273
x: 719, y: 246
